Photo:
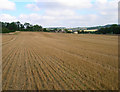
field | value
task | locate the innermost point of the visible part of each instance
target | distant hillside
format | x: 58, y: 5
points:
x: 98, y: 27
x: 109, y: 29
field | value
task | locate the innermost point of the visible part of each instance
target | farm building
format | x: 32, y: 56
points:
x: 70, y: 30
x: 75, y: 32
x: 92, y: 30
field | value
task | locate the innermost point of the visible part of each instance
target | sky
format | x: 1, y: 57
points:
x: 60, y: 13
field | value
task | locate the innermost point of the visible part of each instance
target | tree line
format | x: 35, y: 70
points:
x: 113, y: 29
x: 17, y: 26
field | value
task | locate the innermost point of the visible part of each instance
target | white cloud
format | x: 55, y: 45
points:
x: 7, y: 18
x: 68, y: 20
x: 107, y: 10
x: 62, y: 4
x: 101, y: 1
x: 33, y: 7
x: 7, y: 5
x: 80, y: 3
x: 36, y: 19
x: 64, y: 13
x: 106, y: 4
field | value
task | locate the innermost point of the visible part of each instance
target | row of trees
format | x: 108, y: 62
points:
x: 113, y: 29
x: 110, y: 29
x: 17, y: 26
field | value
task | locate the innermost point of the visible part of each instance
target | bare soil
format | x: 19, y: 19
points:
x: 57, y: 61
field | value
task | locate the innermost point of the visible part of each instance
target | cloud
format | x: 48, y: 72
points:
x: 7, y: 18
x: 77, y: 4
x: 67, y: 20
x: 106, y: 4
x: 37, y: 19
x: 33, y: 7
x: 7, y: 5
x: 64, y: 13
x: 62, y: 4
x: 107, y: 10
x: 99, y: 12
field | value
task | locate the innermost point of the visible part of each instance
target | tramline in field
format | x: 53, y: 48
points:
x: 39, y: 61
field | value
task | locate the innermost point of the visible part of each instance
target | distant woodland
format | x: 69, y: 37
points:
x: 17, y: 26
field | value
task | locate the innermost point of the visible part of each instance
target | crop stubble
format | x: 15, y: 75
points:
x: 40, y: 61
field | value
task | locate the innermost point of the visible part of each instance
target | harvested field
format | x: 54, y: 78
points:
x: 48, y: 61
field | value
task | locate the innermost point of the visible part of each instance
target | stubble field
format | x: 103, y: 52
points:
x: 56, y: 61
